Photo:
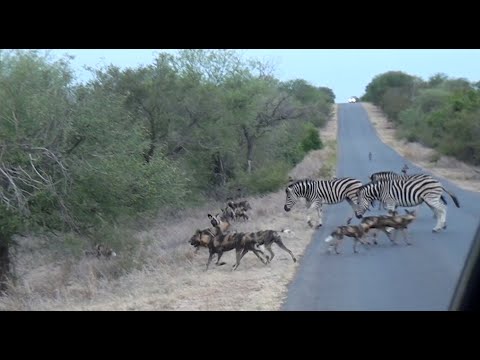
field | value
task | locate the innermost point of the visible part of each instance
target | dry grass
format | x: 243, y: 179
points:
x: 463, y: 175
x: 166, y: 274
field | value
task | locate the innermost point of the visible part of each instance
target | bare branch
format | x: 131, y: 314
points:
x: 18, y: 194
x: 35, y: 169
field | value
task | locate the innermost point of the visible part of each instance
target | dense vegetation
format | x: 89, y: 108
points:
x: 442, y: 113
x: 76, y: 158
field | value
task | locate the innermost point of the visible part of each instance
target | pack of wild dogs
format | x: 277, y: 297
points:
x: 219, y: 238
x: 391, y: 190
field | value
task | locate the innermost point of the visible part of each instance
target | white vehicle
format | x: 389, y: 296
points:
x: 352, y: 99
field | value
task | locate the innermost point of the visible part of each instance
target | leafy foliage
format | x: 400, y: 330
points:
x: 441, y: 112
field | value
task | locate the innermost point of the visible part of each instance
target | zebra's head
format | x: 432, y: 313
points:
x: 365, y: 198
x: 291, y: 198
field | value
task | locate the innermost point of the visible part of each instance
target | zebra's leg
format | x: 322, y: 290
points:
x: 309, y: 218
x: 352, y: 204
x: 440, y: 212
x: 320, y: 215
x: 431, y: 208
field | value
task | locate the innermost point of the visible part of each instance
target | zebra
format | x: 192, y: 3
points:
x: 318, y: 192
x: 390, y: 175
x: 406, y: 192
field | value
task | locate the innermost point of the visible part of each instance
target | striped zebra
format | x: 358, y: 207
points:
x: 318, y: 192
x: 390, y: 175
x: 405, y: 193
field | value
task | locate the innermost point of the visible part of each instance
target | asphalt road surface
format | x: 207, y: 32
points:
x: 383, y: 277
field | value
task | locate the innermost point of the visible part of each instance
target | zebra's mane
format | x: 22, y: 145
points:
x: 300, y: 181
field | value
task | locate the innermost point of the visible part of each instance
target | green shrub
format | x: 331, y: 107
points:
x: 311, y: 140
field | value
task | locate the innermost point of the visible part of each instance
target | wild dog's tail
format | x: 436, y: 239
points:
x: 454, y: 198
x: 329, y: 239
x: 290, y: 232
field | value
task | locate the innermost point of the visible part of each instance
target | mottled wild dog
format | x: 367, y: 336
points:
x: 240, y: 213
x: 241, y: 242
x: 244, y: 204
x: 267, y: 238
x: 100, y: 250
x: 201, y: 238
x: 385, y: 222
x: 357, y: 232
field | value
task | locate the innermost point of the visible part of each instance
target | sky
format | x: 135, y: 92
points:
x: 346, y: 71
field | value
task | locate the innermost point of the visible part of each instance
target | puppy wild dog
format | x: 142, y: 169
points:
x: 356, y: 232
x: 394, y: 221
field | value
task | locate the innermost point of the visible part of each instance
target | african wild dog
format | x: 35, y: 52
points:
x: 241, y: 242
x: 218, y: 240
x: 201, y: 238
x: 100, y: 250
x: 395, y: 221
x: 264, y: 238
x: 241, y: 213
x: 267, y: 238
x: 357, y: 232
x: 244, y: 204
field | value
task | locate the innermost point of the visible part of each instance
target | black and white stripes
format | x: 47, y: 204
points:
x: 405, y: 192
x: 318, y: 192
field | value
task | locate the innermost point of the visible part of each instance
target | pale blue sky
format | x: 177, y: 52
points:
x: 346, y: 71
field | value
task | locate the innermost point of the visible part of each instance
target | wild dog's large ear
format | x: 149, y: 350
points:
x: 210, y: 216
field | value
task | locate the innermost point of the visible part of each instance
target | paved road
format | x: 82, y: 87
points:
x: 386, y: 277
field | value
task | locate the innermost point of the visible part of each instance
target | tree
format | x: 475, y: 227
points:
x: 34, y: 176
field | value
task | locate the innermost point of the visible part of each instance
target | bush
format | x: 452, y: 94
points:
x: 311, y: 140
x: 266, y: 179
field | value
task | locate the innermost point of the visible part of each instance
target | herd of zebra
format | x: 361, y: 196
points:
x: 390, y: 189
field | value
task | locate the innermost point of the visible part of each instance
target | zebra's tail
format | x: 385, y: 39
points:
x: 454, y: 198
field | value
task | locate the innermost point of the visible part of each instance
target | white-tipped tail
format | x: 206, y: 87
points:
x: 329, y: 239
x: 287, y: 231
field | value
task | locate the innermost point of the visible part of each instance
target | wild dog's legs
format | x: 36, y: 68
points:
x: 210, y: 259
x: 269, y: 248
x: 257, y: 251
x: 405, y: 236
x: 337, y: 242
x: 240, y: 255
x: 280, y: 244
x: 389, y: 234
x: 218, y: 260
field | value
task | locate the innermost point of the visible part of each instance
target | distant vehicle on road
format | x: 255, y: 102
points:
x: 353, y: 99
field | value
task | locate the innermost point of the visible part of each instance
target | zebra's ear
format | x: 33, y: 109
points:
x: 288, y: 190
